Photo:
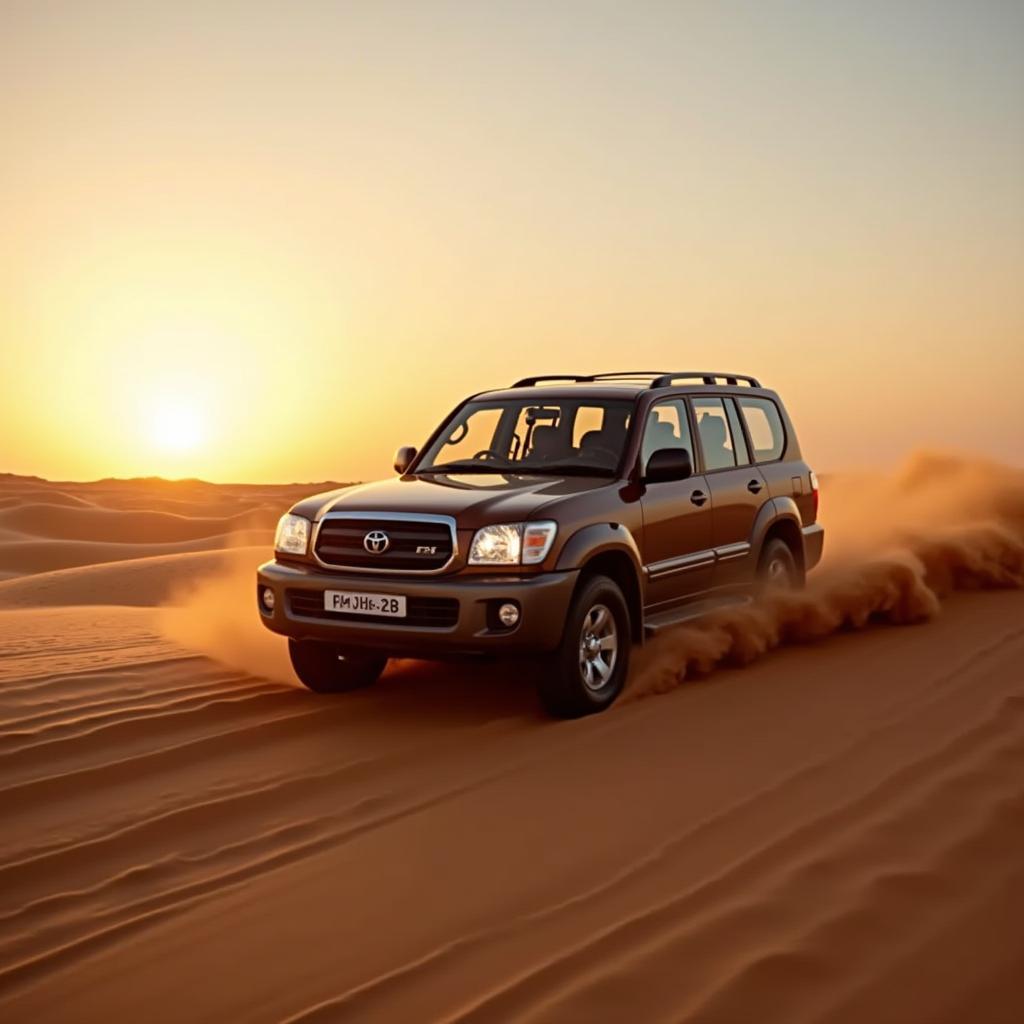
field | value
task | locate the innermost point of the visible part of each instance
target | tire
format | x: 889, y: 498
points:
x: 778, y: 568
x: 331, y: 668
x: 579, y: 678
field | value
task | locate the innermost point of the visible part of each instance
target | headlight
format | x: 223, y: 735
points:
x: 292, y: 535
x: 512, y: 543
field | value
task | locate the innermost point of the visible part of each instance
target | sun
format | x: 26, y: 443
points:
x: 176, y: 425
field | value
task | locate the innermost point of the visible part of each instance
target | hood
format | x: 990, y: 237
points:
x: 473, y: 499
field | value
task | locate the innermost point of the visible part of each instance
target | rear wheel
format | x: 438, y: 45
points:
x: 588, y: 671
x: 778, y: 568
x: 331, y: 668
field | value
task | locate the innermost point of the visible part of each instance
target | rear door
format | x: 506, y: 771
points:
x: 677, y: 514
x: 737, y: 488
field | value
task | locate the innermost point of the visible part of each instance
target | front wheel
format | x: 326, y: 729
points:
x: 588, y: 671
x: 331, y: 668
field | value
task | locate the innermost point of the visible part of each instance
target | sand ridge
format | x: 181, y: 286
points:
x: 831, y: 832
x: 47, y: 527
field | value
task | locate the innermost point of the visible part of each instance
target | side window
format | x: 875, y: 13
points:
x: 739, y: 442
x: 715, y: 436
x: 667, y: 427
x: 764, y: 424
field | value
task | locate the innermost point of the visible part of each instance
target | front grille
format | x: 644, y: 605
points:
x: 436, y: 612
x: 414, y: 545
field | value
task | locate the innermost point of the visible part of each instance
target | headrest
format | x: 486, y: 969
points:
x: 545, y: 439
x: 712, y: 430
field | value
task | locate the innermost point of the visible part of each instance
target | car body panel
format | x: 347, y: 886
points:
x: 677, y: 540
x: 679, y: 551
x: 599, y: 539
x: 473, y: 499
x: 735, y: 510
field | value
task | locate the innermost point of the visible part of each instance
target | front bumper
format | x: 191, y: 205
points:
x: 543, y: 600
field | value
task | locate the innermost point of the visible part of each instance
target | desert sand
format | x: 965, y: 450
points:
x: 807, y: 810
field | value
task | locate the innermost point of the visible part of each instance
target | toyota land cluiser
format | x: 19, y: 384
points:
x: 565, y: 518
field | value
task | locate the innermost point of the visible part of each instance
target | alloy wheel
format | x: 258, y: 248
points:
x: 599, y: 647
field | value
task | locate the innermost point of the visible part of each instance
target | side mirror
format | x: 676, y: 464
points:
x: 668, y: 464
x: 404, y: 457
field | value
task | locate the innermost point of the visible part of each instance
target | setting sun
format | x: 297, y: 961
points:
x: 176, y: 426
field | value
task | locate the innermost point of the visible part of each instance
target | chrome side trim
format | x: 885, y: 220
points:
x: 670, y: 566
x: 400, y: 517
x: 697, y: 560
x: 728, y: 551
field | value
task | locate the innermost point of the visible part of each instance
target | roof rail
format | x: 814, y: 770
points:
x: 590, y: 378
x: 705, y: 377
x: 657, y: 378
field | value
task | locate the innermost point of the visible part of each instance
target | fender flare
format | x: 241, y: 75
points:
x: 597, y: 539
x: 609, y: 538
x: 777, y: 510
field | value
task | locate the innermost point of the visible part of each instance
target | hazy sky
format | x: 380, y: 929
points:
x: 273, y: 241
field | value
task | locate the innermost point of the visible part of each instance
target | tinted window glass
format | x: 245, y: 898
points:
x: 668, y: 426
x: 532, y: 436
x: 715, y: 436
x: 739, y: 442
x: 588, y: 418
x: 471, y: 434
x: 764, y: 424
x: 536, y: 431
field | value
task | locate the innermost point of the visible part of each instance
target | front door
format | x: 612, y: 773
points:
x: 737, y: 488
x: 677, y: 536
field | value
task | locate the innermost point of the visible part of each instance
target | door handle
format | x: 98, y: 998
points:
x: 754, y: 486
x: 698, y: 497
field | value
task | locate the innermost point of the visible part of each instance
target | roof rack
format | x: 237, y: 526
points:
x: 589, y: 378
x: 657, y: 378
x: 705, y: 377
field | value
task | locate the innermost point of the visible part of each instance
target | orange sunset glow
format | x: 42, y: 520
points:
x: 511, y: 511
x: 270, y: 244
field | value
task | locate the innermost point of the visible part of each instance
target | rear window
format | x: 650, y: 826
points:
x: 764, y: 425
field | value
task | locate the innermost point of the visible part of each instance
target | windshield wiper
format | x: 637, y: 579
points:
x: 520, y: 468
x: 569, y: 469
x: 467, y: 467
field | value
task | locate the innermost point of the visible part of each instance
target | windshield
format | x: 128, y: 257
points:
x: 558, y: 436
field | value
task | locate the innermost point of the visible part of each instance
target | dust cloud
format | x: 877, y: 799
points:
x: 216, y: 615
x: 896, y: 545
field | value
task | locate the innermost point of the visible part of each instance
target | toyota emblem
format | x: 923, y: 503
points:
x: 376, y: 542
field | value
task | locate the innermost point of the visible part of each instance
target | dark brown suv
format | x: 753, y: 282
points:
x: 565, y: 518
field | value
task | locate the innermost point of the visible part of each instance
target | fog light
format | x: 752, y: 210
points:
x: 508, y: 614
x: 267, y: 597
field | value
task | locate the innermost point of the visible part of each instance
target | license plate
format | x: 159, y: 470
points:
x: 364, y: 604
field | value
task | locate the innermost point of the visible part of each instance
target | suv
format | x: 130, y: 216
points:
x: 565, y: 518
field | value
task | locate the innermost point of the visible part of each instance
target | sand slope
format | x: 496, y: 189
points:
x: 832, y: 832
x: 45, y: 527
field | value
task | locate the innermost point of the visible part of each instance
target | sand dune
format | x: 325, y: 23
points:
x: 830, y: 832
x: 144, y: 580
x: 60, y: 522
x: 45, y: 527
x: 43, y: 557
x: 48, y: 497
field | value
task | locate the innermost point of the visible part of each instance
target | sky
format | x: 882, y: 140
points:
x: 274, y: 241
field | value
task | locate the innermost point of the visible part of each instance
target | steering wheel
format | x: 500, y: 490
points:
x: 487, y: 455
